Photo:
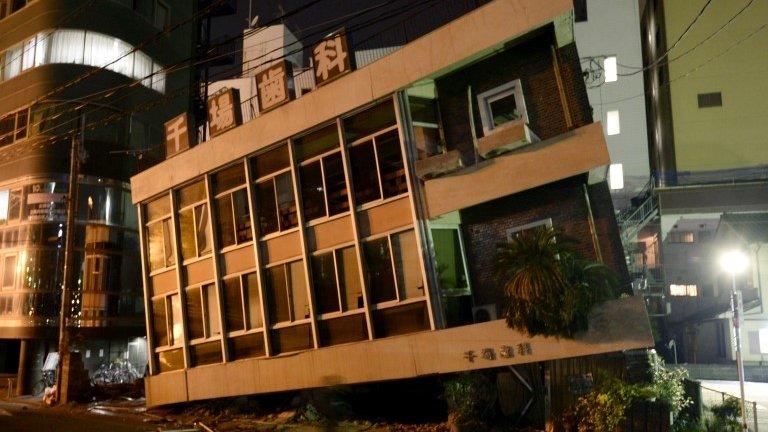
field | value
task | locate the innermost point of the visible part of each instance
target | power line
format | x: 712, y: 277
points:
x: 689, y: 72
x: 181, y: 90
x: 695, y: 47
x: 682, y: 35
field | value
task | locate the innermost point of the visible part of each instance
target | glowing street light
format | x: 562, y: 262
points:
x: 735, y: 262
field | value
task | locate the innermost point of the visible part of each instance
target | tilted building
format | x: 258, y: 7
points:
x: 348, y: 236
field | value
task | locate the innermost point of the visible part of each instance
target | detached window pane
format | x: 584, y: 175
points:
x: 312, y: 191
x: 277, y: 290
x: 391, y: 164
x: 407, y: 264
x: 324, y: 283
x: 155, y: 246
x: 194, y: 309
x: 336, y: 185
x: 364, y: 175
x: 212, y: 311
x: 254, y: 301
x: 265, y: 197
x: 349, y: 279
x: 242, y: 216
x: 379, y: 266
x: 225, y: 223
x: 175, y: 321
x: 202, y: 229
x: 187, y: 233
x: 286, y: 201
x: 233, y: 305
x: 298, y: 281
x: 159, y: 329
x: 170, y: 258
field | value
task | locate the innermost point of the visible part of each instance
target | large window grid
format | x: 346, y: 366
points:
x: 167, y: 331
x: 393, y: 270
x: 322, y: 178
x: 13, y: 127
x: 233, y: 215
x: 286, y: 291
x: 378, y: 171
x: 159, y: 230
x: 336, y: 282
x: 194, y: 222
x: 274, y: 191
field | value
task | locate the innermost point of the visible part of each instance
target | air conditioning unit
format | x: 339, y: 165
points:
x: 484, y: 313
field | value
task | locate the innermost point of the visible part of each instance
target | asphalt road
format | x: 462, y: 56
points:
x: 23, y: 418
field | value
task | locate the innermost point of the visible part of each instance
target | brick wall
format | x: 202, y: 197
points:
x: 485, y: 226
x: 531, y: 61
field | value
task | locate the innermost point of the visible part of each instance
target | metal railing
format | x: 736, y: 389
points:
x: 711, y: 397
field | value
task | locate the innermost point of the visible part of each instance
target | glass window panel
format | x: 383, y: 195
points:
x: 349, y: 279
x: 293, y: 338
x: 13, y: 61
x: 286, y: 201
x: 233, y: 305
x: 7, y: 128
x: 365, y: 177
x: 242, y: 216
x: 204, y: 241
x: 335, y: 184
x: 342, y: 330
x: 225, y: 224
x: 324, y: 283
x: 504, y: 109
x: 391, y: 164
x: 266, y: 205
x: 277, y: 294
x: 41, y: 50
x: 99, y: 49
x: 450, y: 264
x: 298, y: 286
x: 159, y: 329
x: 312, y: 191
x: 142, y: 67
x: 3, y: 205
x: 250, y: 345
x: 194, y: 309
x: 393, y: 321
x: 205, y: 353
x: 187, y: 233
x: 423, y: 110
x: 158, y: 208
x: 176, y: 321
x: 170, y: 360
x: 192, y: 194
x: 67, y: 46
x: 407, y: 264
x: 170, y: 258
x: 370, y: 121
x: 253, y: 299
x: 228, y: 178
x: 155, y: 246
x: 21, y: 124
x: 212, y: 311
x: 379, y: 270
x: 317, y: 143
x: 28, y: 54
x: 271, y: 162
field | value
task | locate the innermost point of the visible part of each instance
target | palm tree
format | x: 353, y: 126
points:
x: 549, y: 288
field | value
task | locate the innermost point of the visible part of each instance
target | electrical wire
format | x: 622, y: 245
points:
x: 173, y: 94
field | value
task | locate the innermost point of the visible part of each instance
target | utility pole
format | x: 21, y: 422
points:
x: 62, y: 372
x: 737, y: 306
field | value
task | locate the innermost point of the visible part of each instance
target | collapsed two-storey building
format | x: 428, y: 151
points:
x: 348, y: 235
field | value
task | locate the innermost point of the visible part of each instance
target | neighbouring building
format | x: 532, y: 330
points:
x: 45, y: 45
x: 706, y: 111
x: 607, y: 33
x: 347, y: 235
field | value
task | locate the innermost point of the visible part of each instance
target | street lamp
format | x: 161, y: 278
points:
x: 735, y: 262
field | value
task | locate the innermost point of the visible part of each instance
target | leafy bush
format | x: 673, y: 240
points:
x: 604, y: 408
x: 726, y: 416
x: 667, y: 385
x: 549, y: 288
x: 470, y: 397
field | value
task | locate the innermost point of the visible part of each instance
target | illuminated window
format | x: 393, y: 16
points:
x: 72, y: 46
x: 616, y: 176
x: 275, y: 202
x: 763, y: 340
x: 233, y: 215
x: 681, y: 237
x: 160, y: 246
x: 609, y: 67
x: 683, y: 290
x: 612, y: 126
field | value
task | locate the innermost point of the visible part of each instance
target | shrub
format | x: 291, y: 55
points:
x: 470, y: 397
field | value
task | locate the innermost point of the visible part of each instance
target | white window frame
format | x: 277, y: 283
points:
x: 485, y: 99
x: 514, y: 230
x: 465, y: 266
